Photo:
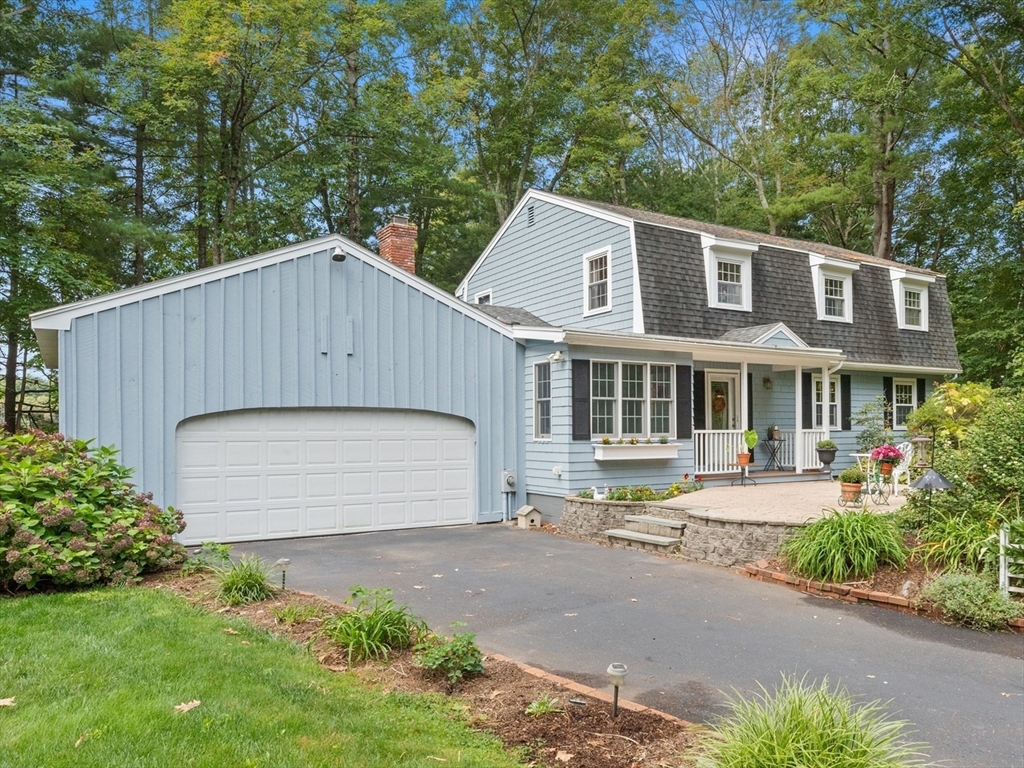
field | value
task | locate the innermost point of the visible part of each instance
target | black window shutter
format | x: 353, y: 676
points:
x: 580, y: 399
x: 845, y: 403
x: 887, y: 394
x: 699, y: 407
x: 920, y: 392
x: 807, y: 393
x: 750, y: 405
x: 684, y: 402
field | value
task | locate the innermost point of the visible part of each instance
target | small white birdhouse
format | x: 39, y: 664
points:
x: 529, y: 517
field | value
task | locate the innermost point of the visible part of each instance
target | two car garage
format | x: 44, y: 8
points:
x: 296, y: 393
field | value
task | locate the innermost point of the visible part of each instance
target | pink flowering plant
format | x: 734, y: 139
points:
x: 886, y: 453
x: 70, y: 517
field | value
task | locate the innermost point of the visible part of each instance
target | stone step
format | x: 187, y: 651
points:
x: 658, y: 526
x: 636, y: 540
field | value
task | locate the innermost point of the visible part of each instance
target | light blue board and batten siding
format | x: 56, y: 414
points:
x: 257, y: 340
x: 540, y: 268
x: 576, y: 457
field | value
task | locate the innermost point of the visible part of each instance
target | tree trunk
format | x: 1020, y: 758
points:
x: 202, y: 228
x: 354, y: 224
x: 139, y: 272
x: 11, y: 383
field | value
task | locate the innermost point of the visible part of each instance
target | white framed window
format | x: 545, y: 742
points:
x: 833, y: 288
x: 597, y: 282
x: 904, y: 400
x: 482, y: 298
x: 910, y: 292
x: 819, y: 401
x: 728, y: 269
x: 631, y: 399
x: 542, y: 401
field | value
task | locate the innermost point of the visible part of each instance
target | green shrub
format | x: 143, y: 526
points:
x: 545, y: 705
x: 971, y: 600
x: 950, y: 410
x: 951, y: 542
x: 841, y: 545
x: 453, y: 657
x: 826, y: 445
x: 69, y: 516
x: 375, y: 626
x: 801, y: 724
x: 852, y: 475
x: 244, y: 582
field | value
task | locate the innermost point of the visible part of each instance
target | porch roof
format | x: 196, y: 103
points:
x: 714, y: 350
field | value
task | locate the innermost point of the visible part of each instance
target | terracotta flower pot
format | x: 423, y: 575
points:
x: 850, y: 491
x: 743, y: 459
x: 885, y: 468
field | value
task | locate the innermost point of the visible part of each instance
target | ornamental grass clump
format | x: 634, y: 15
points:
x: 803, y: 725
x: 244, y: 582
x: 69, y: 517
x: 845, y: 544
x: 375, y: 627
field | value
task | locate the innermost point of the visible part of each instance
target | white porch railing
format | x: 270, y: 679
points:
x: 715, y: 449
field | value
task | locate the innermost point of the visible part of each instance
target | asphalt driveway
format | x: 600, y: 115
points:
x: 686, y: 631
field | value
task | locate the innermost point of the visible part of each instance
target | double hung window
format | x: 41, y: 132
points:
x: 912, y: 308
x: 542, y: 401
x: 819, y: 402
x: 631, y: 399
x: 730, y: 283
x: 597, y: 284
x: 904, y: 396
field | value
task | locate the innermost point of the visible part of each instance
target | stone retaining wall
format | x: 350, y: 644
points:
x: 589, y: 518
x: 731, y: 543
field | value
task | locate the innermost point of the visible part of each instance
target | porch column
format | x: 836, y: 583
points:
x: 798, y: 449
x: 744, y: 395
x: 826, y: 403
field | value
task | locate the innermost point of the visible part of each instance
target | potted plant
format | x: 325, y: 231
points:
x: 750, y: 439
x: 850, y: 480
x: 826, y: 454
x: 774, y: 433
x: 886, y: 456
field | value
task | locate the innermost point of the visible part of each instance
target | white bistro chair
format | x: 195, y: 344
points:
x: 903, y: 468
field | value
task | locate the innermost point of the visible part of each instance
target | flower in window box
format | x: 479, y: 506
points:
x: 633, y: 441
x: 606, y: 440
x: 663, y: 439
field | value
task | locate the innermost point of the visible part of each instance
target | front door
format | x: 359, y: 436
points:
x: 721, y: 401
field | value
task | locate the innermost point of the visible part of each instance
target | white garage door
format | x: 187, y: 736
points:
x: 283, y: 472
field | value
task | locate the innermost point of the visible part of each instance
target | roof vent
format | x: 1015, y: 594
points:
x: 530, y: 218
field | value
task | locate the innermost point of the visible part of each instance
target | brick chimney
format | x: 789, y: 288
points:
x: 397, y: 241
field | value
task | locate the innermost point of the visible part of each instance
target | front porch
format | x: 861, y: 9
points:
x: 714, y: 452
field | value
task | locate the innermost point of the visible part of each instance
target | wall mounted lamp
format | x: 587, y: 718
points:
x: 556, y: 357
x: 767, y: 381
x: 338, y: 254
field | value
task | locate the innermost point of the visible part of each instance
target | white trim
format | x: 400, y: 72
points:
x: 638, y: 304
x: 606, y: 251
x: 823, y: 267
x: 886, y: 368
x: 529, y: 333
x: 537, y: 436
x: 901, y: 280
x: 785, y: 331
x: 720, y: 374
x: 488, y: 293
x: 46, y: 323
x: 914, y: 397
x: 647, y: 400
x: 718, y: 249
x: 826, y: 421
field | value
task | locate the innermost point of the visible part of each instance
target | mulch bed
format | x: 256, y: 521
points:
x: 583, y: 735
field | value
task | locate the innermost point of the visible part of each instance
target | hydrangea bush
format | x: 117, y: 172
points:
x: 70, y: 517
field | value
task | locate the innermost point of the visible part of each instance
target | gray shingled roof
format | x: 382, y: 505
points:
x: 513, y: 316
x: 674, y: 296
x: 750, y: 334
x: 747, y: 235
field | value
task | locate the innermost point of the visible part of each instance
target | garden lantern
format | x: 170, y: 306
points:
x: 617, y: 676
x: 932, y: 481
x: 283, y: 564
x: 921, y: 448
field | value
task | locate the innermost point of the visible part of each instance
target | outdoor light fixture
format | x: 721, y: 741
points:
x: 338, y: 254
x: 556, y: 357
x: 767, y: 381
x: 283, y: 564
x: 617, y: 676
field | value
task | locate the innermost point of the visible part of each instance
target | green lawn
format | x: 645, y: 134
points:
x: 113, y: 663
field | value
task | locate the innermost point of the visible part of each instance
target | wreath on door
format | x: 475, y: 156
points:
x: 718, y: 402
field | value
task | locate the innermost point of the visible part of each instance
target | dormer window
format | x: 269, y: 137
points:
x: 483, y: 298
x: 910, y: 291
x: 597, y: 282
x: 727, y: 266
x: 833, y: 288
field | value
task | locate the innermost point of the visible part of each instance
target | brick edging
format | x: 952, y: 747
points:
x: 586, y: 690
x: 760, y: 571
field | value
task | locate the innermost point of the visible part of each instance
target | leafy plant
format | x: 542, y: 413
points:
x: 375, y: 627
x: 70, y: 517
x: 871, y: 420
x: 453, y: 657
x: 886, y: 452
x: 545, y: 705
x: 208, y: 557
x: 845, y: 544
x: 971, y: 600
x: 826, y: 445
x: 296, y: 613
x: 750, y: 438
x: 852, y: 475
x: 586, y: 493
x: 803, y: 724
x: 956, y: 541
x: 244, y: 582
x: 950, y: 411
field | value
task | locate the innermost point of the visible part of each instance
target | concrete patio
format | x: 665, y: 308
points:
x: 780, y: 503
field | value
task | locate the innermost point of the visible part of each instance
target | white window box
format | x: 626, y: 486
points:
x: 639, y: 452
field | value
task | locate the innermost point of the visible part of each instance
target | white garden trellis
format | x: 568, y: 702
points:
x: 1010, y: 554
